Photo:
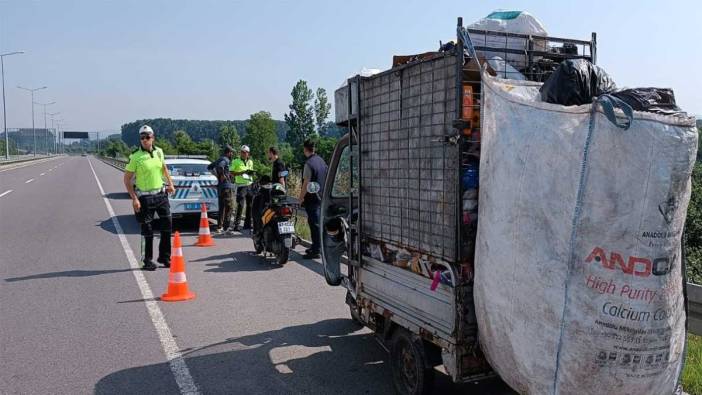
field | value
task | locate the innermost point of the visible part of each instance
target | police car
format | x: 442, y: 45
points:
x: 194, y: 185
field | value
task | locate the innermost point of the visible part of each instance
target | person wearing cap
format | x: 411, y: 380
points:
x: 147, y: 170
x: 243, y: 170
x: 225, y: 188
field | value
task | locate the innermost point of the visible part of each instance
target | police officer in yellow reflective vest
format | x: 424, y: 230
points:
x: 148, y: 167
x: 243, y: 170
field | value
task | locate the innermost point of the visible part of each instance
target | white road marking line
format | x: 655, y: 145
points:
x: 5, y: 193
x: 28, y: 181
x: 42, y: 174
x: 173, y: 354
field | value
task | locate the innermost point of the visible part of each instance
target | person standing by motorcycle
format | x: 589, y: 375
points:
x: 315, y: 171
x: 243, y: 169
x: 279, y: 172
x: 225, y: 188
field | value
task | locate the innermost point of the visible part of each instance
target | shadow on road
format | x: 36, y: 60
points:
x: 68, y: 273
x: 326, y: 357
x: 130, y: 226
x: 117, y: 196
x: 240, y: 261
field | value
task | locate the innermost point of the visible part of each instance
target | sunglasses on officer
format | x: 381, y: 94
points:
x: 145, y: 137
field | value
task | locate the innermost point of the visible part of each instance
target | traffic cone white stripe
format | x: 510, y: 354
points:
x: 205, y: 230
x: 203, y: 214
x: 178, y: 277
x: 178, y: 251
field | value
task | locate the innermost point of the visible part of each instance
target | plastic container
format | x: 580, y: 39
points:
x: 469, y: 178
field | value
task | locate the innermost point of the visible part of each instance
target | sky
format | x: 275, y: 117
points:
x: 107, y: 63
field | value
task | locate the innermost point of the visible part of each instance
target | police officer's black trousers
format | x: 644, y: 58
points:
x: 158, y: 204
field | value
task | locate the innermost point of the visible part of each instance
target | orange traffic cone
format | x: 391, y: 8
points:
x: 204, y: 239
x: 177, y: 283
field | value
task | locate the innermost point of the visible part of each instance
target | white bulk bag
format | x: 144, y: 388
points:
x: 520, y: 22
x: 578, y: 285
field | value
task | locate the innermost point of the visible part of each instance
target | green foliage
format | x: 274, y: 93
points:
x: 288, y: 156
x: 322, y: 107
x: 262, y: 167
x: 300, y: 119
x: 692, y: 375
x: 331, y: 129
x: 324, y: 147
x: 260, y: 134
x: 166, y: 146
x: 693, y: 228
x: 115, y: 148
x: 229, y: 135
x: 13, y: 147
x: 197, y: 129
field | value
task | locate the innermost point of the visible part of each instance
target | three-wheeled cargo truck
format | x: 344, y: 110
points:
x: 399, y: 210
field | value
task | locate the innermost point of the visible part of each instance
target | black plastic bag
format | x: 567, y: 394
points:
x: 657, y: 100
x: 576, y: 82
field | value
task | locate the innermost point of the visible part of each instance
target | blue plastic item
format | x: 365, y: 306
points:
x: 469, y: 178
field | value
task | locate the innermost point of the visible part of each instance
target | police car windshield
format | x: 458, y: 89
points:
x: 187, y: 169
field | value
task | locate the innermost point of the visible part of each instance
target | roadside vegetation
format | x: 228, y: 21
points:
x: 692, y: 375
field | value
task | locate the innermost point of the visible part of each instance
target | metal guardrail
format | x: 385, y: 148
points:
x: 23, y: 158
x: 119, y: 164
x: 694, y: 309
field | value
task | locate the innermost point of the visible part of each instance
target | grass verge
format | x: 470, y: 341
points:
x: 692, y: 375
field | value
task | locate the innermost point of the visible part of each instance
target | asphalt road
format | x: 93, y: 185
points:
x: 74, y: 319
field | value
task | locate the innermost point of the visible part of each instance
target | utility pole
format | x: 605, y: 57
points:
x: 46, y: 131
x: 52, y: 115
x: 4, y: 111
x: 34, y: 131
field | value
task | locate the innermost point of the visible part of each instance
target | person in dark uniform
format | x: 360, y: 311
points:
x: 147, y: 166
x: 225, y: 188
x: 279, y: 173
x: 315, y: 171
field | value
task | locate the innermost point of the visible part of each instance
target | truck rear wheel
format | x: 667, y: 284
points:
x: 411, y: 373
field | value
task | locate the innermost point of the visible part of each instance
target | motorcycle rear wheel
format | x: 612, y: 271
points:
x: 282, y: 258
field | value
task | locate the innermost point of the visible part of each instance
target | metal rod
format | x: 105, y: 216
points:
x: 4, y: 111
x: 34, y: 132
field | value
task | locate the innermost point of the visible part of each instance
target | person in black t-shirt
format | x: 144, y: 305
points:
x: 279, y: 173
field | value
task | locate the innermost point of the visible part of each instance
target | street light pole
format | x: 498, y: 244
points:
x: 46, y: 130
x: 4, y: 111
x: 61, y: 139
x: 34, y: 132
x: 54, y: 129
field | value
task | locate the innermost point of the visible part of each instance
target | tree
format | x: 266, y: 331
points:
x: 260, y: 134
x: 322, y: 107
x: 288, y: 156
x: 116, y: 148
x: 229, y: 135
x: 207, y: 147
x: 300, y: 119
x: 166, y: 146
x: 183, y: 143
x: 325, y: 147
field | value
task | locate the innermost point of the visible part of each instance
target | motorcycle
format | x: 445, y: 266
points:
x: 274, y: 227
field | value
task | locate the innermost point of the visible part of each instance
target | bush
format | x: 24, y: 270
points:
x: 692, y: 375
x: 693, y: 229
